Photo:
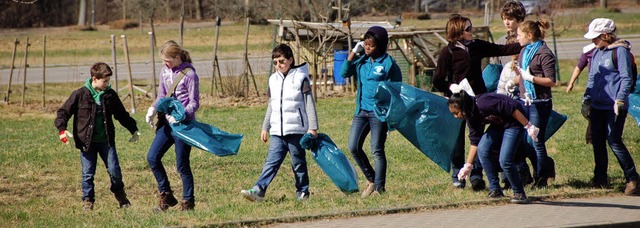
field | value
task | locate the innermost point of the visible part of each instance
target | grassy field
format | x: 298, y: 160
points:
x: 40, y: 178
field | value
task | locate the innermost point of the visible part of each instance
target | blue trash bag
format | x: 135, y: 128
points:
x: 421, y: 117
x: 634, y: 106
x: 332, y: 161
x: 491, y: 76
x: 203, y: 136
x: 556, y: 120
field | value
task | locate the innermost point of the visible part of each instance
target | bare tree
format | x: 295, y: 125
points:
x: 198, y: 6
x: 82, y: 13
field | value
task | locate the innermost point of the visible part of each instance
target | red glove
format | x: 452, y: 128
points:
x: 64, y: 136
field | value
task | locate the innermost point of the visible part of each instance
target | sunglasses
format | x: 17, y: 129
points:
x: 281, y: 61
x: 468, y: 29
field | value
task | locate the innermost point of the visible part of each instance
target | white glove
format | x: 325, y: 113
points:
x: 510, y: 86
x: 134, y: 137
x: 359, y: 47
x: 64, y: 136
x: 526, y: 74
x: 617, y: 106
x: 464, y: 172
x: 532, y: 131
x: 151, y: 114
x: 527, y: 99
x: 171, y: 119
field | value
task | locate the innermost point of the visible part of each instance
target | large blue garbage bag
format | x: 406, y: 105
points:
x: 203, y: 136
x: 421, y: 117
x: 491, y: 76
x: 634, y: 106
x: 556, y: 120
x: 332, y: 161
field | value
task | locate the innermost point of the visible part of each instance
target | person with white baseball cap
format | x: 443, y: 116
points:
x: 606, y: 102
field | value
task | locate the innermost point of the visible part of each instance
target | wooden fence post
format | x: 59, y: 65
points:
x: 115, y: 63
x: 153, y: 65
x: 24, y: 79
x: 44, y: 69
x: 131, y: 93
x: 13, y: 66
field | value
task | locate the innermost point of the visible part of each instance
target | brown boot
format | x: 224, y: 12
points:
x: 88, y: 206
x: 166, y: 200
x: 187, y: 205
x: 632, y: 188
x: 123, y: 202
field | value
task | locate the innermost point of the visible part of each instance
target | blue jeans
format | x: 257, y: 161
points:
x: 538, y: 114
x: 278, y: 149
x: 458, y: 159
x: 605, y: 127
x: 363, y: 123
x: 89, y: 159
x: 507, y: 140
x: 160, y: 145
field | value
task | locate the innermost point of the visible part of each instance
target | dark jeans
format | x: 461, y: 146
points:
x: 278, y: 149
x: 160, y: 145
x: 538, y: 114
x: 89, y: 159
x: 605, y: 127
x: 458, y: 159
x: 363, y: 124
x: 506, y: 140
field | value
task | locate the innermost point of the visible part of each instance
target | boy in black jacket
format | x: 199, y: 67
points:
x: 93, y: 106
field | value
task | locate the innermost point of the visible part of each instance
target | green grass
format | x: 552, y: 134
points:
x: 41, y: 177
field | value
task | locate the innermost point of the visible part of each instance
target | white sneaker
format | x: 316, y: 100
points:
x: 251, y: 195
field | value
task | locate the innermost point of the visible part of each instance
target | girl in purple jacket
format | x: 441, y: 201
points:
x: 177, y: 70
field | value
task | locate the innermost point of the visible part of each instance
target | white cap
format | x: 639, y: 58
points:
x: 600, y: 26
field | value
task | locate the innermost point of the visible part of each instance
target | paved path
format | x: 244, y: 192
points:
x: 618, y: 211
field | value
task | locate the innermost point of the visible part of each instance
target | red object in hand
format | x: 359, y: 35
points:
x: 63, y: 137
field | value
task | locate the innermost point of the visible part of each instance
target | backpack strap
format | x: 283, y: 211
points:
x: 614, y: 58
x: 181, y: 75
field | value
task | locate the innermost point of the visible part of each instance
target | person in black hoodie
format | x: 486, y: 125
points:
x: 93, y: 107
x: 460, y: 59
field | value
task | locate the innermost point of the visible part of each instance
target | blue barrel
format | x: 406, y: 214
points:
x: 338, y: 58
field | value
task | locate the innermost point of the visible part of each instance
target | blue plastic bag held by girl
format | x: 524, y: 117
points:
x: 421, y: 117
x: 332, y: 161
x: 203, y: 136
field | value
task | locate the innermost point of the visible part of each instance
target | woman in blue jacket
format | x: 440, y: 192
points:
x: 372, y: 67
x: 606, y: 102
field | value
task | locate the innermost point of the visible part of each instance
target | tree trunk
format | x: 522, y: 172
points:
x: 82, y: 14
x: 198, y: 6
x: 417, y: 6
x: 603, y: 3
x: 124, y: 10
x: 312, y: 10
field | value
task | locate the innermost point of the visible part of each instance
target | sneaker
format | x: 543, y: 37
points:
x: 302, y: 196
x: 459, y: 184
x: 123, y: 202
x: 478, y: 184
x: 166, y: 200
x: 367, y: 190
x: 187, y: 205
x: 632, y: 188
x: 88, y: 206
x: 520, y: 198
x: 251, y: 195
x: 496, y: 194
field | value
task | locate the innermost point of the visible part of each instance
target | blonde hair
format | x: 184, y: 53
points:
x: 535, y: 28
x: 172, y: 49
